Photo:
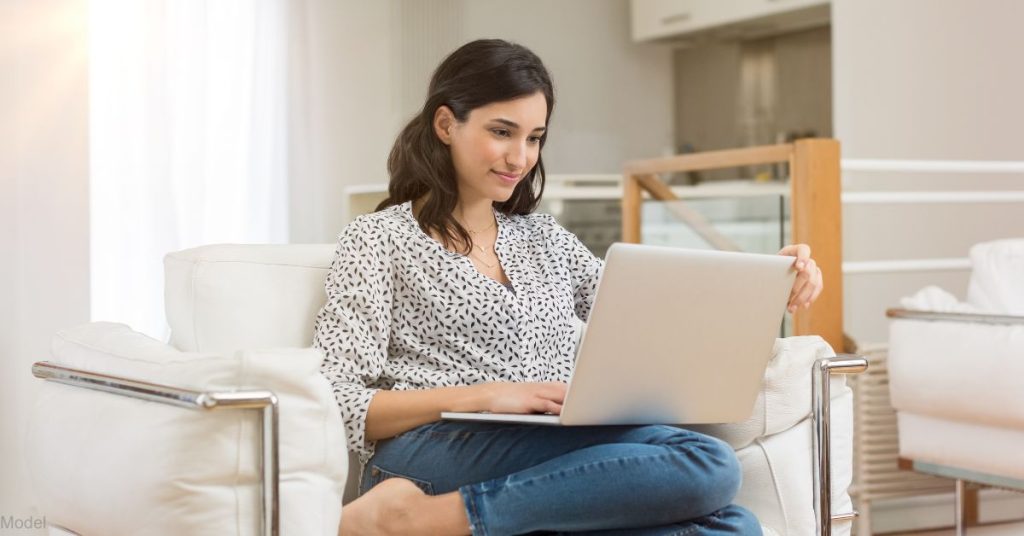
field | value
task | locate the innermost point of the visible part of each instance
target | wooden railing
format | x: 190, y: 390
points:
x: 815, y: 210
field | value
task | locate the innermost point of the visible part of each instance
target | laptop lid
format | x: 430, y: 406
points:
x: 678, y: 336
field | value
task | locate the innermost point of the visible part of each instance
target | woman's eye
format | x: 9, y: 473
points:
x: 534, y: 139
x: 501, y: 132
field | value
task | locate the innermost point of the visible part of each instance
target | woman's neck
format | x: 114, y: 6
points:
x: 474, y: 215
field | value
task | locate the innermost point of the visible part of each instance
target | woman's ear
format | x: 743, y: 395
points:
x: 444, y: 121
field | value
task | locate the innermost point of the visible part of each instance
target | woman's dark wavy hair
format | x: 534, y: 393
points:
x: 477, y: 74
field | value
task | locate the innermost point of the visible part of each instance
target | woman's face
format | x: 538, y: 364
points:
x: 496, y: 147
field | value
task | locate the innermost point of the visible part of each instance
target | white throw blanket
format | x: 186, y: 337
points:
x: 997, y: 277
x: 996, y: 285
x: 932, y: 298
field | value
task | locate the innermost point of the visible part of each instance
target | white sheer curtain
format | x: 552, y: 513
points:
x: 188, y: 140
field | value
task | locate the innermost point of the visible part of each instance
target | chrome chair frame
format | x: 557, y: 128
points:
x: 263, y: 401
x: 959, y: 475
x: 266, y: 403
x: 821, y: 410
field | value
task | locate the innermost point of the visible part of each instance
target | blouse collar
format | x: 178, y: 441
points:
x: 507, y: 228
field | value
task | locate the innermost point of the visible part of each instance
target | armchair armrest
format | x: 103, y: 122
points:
x: 263, y: 401
x: 977, y: 318
x: 112, y: 447
x: 821, y: 405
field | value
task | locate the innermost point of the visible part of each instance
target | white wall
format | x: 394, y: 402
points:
x: 369, y: 64
x: 924, y: 79
x: 343, y: 114
x: 614, y: 98
x: 44, y: 218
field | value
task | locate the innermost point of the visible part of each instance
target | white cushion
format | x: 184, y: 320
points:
x: 222, y: 298
x: 969, y: 372
x: 109, y: 464
x: 785, y: 395
x: 997, y: 276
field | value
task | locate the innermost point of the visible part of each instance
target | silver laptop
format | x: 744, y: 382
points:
x: 675, y: 336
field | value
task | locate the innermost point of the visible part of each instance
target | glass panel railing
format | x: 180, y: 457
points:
x: 755, y: 224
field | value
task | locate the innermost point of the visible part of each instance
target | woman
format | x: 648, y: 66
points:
x: 455, y: 296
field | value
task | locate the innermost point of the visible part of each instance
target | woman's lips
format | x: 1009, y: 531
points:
x: 506, y: 178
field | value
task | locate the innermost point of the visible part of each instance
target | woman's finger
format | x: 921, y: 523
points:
x: 796, y: 250
x: 802, y: 278
x: 798, y: 285
x: 554, y: 408
x: 804, y: 299
x: 811, y: 269
x: 821, y: 285
x: 802, y: 252
x: 542, y: 405
x: 806, y: 288
x: 810, y: 291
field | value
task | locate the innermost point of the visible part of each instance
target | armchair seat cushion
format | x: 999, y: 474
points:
x: 109, y: 464
x: 967, y: 372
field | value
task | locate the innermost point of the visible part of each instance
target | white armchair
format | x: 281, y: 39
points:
x: 272, y: 459
x: 956, y: 375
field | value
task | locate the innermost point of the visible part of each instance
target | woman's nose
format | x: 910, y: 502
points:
x: 516, y: 157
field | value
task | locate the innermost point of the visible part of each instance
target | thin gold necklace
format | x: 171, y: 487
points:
x: 471, y: 254
x: 482, y: 230
x: 482, y: 250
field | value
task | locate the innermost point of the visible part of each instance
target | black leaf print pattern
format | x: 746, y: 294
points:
x: 402, y: 312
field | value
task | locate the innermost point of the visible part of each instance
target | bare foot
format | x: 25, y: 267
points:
x: 385, y: 509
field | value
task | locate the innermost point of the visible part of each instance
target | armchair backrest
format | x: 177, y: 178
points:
x: 227, y: 297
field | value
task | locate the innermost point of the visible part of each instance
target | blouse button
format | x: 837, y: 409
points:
x: 374, y: 471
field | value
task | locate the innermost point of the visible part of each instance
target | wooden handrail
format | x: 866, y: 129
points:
x: 815, y: 210
x: 749, y: 156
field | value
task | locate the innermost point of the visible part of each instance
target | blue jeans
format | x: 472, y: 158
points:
x: 607, y: 480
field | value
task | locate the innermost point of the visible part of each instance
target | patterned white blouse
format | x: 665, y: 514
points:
x: 403, y: 312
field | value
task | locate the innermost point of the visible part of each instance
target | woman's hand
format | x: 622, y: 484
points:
x: 808, y: 283
x: 525, y: 397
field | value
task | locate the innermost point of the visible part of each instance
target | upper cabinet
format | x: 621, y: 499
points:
x: 665, y: 19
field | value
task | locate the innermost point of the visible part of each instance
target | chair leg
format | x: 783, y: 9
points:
x: 959, y: 508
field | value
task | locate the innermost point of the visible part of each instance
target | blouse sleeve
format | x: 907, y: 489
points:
x: 353, y: 326
x: 584, y: 267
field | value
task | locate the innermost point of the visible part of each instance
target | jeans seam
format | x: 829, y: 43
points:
x: 698, y: 525
x: 476, y: 522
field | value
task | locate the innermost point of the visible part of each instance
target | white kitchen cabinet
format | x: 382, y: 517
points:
x: 659, y: 19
